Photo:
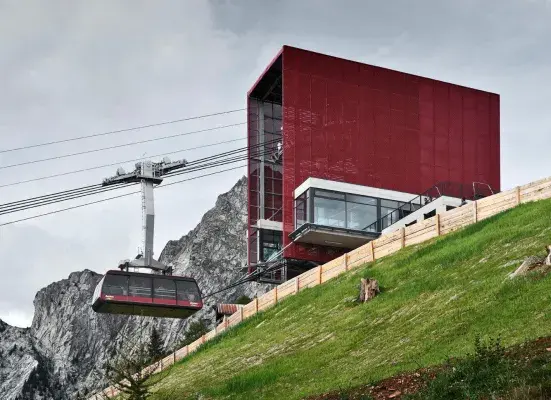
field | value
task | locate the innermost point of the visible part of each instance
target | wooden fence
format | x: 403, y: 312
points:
x: 385, y: 245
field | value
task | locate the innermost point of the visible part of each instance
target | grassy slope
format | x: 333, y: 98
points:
x: 436, y: 297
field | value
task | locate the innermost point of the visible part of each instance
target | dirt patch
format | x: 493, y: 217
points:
x: 391, y: 388
x: 397, y: 386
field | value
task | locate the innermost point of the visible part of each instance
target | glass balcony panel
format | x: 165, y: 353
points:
x: 360, y: 215
x: 329, y: 212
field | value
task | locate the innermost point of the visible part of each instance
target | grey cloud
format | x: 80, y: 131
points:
x: 73, y: 68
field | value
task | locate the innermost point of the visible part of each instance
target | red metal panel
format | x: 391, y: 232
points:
x: 372, y: 126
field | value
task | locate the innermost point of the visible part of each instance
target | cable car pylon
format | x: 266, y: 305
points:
x: 148, y: 174
x: 157, y: 294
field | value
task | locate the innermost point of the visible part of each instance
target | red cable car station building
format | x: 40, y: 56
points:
x: 340, y: 151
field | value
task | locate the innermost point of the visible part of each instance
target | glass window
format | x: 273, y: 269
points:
x: 270, y: 244
x: 164, y: 288
x: 116, y: 285
x: 332, y: 195
x: 390, y: 204
x: 277, y: 111
x: 301, y: 210
x: 277, y: 126
x: 267, y: 109
x: 360, y: 216
x: 361, y: 199
x: 329, y: 212
x: 140, y: 286
x: 269, y: 127
x: 188, y: 291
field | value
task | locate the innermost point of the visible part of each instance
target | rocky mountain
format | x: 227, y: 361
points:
x: 63, y: 351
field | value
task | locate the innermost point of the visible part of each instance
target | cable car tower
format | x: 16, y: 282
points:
x: 148, y: 174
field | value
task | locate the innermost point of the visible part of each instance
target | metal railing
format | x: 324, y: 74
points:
x: 451, y: 189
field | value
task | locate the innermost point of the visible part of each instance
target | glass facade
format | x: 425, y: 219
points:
x: 348, y: 211
x: 270, y: 243
x: 265, y: 177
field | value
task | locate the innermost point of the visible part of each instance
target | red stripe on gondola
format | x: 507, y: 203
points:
x: 148, y: 300
x: 164, y: 301
x: 133, y: 299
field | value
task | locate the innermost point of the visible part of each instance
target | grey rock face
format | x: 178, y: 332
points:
x: 63, y: 351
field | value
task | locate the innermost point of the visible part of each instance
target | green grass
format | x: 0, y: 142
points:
x: 436, y: 298
x: 492, y: 372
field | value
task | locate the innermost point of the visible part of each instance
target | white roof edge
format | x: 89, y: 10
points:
x: 352, y: 189
x: 268, y: 224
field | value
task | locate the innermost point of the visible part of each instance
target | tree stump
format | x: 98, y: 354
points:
x: 548, y: 258
x: 369, y: 289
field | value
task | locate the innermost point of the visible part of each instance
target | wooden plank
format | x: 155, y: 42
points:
x: 359, y: 256
x: 508, y: 203
x: 266, y: 300
x: 536, y: 195
x: 249, y: 310
x: 467, y: 213
x: 459, y: 212
x: 437, y: 225
x: 309, y: 280
x: 307, y: 277
x: 511, y: 199
x: 419, y: 226
x: 168, y: 361
x: 387, y: 238
x: 496, y: 198
x: 234, y: 319
x: 209, y: 335
x: 286, y: 289
x: 455, y: 225
x: 466, y: 220
x: 181, y: 353
x: 537, y: 185
x: 336, y: 263
x: 420, y: 238
x: 539, y: 182
x: 542, y: 193
x: 493, y: 211
x: 421, y: 233
x: 333, y: 272
x: 390, y: 248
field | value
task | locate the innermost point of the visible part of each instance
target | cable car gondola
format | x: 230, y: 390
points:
x: 146, y: 294
x: 155, y: 294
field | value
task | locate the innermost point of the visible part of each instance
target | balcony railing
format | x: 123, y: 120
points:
x: 473, y: 191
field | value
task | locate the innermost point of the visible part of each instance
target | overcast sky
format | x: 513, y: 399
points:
x: 73, y: 68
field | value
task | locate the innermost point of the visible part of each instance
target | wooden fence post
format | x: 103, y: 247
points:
x: 297, y: 287
x: 275, y: 295
x: 518, y: 195
x: 372, y: 249
x: 256, y: 305
x: 174, y: 357
x: 475, y: 212
x: 403, y: 231
x: 437, y: 224
x: 241, y: 313
x: 319, y: 274
x: 345, y: 261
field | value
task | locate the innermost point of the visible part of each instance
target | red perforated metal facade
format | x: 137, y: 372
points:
x: 361, y: 124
